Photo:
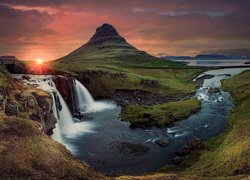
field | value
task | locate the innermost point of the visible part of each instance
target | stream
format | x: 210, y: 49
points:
x: 110, y: 146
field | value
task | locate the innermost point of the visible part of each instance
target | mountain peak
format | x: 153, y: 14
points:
x: 106, y: 32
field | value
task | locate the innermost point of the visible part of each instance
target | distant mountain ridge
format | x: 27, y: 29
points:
x: 211, y: 56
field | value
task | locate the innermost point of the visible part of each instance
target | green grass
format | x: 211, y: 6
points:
x: 25, y: 152
x: 135, y: 114
x: 4, y: 77
x: 229, y: 153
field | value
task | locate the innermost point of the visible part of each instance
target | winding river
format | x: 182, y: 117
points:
x: 110, y: 146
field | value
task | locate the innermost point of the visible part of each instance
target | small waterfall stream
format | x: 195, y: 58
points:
x: 84, y: 98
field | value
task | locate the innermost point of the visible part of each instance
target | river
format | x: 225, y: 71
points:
x: 110, y: 146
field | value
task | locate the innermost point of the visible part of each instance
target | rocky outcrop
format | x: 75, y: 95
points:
x: 124, y: 97
x: 162, y: 142
x: 105, y: 32
x: 199, y: 81
x: 15, y: 102
x: 214, y: 90
x: 44, y: 114
x: 65, y: 85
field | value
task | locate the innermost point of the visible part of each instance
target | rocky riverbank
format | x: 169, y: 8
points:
x: 27, y: 102
x: 125, y: 97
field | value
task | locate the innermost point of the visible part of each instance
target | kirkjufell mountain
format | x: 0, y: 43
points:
x: 107, y: 46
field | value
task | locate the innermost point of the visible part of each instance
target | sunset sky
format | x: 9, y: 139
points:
x: 49, y: 29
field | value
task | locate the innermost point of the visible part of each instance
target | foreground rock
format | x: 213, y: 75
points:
x: 162, y: 143
x: 29, y: 104
x: 125, y: 97
x: 214, y: 90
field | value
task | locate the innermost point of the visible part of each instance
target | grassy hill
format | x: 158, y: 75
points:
x: 229, y: 154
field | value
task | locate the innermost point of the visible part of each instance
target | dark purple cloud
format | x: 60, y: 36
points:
x: 172, y: 26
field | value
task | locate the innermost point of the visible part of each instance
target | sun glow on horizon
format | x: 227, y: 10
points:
x: 39, y: 61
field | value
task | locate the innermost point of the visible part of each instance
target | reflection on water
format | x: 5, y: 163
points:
x: 218, y: 63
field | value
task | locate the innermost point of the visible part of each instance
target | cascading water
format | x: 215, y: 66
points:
x: 84, y: 98
x: 86, y: 102
x: 66, y: 128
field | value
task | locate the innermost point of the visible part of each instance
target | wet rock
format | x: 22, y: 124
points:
x: 65, y: 86
x: 162, y: 143
x: 199, y: 81
x: 214, y: 90
x: 124, y: 97
x: 170, y: 117
x: 149, y: 83
x: 26, y: 77
x: 11, y: 108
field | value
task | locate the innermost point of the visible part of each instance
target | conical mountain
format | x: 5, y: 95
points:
x: 107, y: 46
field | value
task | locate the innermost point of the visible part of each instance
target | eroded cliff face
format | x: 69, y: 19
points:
x: 28, y: 102
x: 65, y: 85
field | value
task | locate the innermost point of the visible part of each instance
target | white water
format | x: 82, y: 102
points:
x: 86, y: 102
x: 65, y: 126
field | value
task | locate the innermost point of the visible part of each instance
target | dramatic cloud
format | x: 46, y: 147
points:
x: 50, y: 29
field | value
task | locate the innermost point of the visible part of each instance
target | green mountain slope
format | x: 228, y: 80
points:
x: 107, y: 48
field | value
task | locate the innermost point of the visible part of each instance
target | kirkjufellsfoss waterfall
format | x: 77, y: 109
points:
x: 66, y: 126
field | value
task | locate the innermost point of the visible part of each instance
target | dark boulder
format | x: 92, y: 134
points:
x: 214, y: 90
x: 26, y: 77
x: 162, y: 142
x: 170, y: 117
x: 11, y: 108
x: 65, y: 85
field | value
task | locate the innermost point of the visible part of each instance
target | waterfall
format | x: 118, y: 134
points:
x: 84, y: 98
x: 65, y: 117
x: 85, y: 101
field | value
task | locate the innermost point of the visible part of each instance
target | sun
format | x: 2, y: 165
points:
x: 39, y: 61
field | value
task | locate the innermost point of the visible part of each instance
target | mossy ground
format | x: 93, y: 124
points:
x: 25, y: 152
x: 135, y: 114
x: 4, y: 77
